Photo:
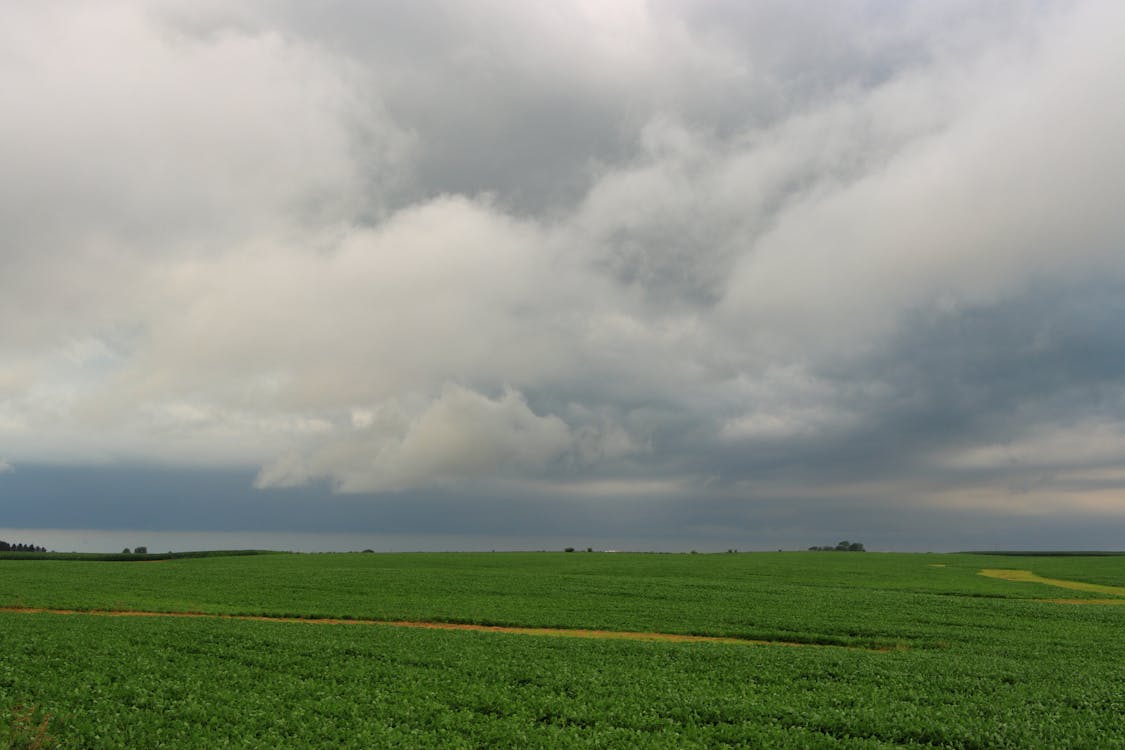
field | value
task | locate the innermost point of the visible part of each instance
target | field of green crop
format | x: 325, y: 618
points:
x: 901, y: 651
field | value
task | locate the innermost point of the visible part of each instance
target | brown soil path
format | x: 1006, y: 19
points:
x: 1026, y: 576
x: 557, y: 632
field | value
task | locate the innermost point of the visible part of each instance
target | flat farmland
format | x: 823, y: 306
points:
x: 821, y: 650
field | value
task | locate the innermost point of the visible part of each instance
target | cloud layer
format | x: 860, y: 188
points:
x: 746, y: 255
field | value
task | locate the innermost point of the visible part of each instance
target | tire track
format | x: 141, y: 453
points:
x: 432, y: 625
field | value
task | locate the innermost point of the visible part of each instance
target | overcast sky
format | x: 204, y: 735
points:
x: 780, y: 272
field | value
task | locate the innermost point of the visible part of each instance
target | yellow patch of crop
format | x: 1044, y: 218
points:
x: 429, y: 625
x: 1026, y: 576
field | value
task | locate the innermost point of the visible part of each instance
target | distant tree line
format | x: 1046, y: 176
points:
x: 844, y: 546
x: 5, y: 547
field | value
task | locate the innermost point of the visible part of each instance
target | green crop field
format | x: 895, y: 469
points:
x: 867, y: 651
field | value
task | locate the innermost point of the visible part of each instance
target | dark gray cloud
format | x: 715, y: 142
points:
x: 219, y: 509
x: 646, y: 266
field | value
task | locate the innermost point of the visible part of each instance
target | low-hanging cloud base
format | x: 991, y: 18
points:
x: 217, y: 509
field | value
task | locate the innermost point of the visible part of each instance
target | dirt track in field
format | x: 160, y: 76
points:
x: 555, y: 632
x: 1026, y: 576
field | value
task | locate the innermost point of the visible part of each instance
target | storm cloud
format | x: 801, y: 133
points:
x: 693, y: 265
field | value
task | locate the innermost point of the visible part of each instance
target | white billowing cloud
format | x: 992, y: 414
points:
x: 210, y: 136
x: 1016, y: 186
x: 401, y: 247
x: 393, y: 308
x: 459, y: 435
x: 126, y: 145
